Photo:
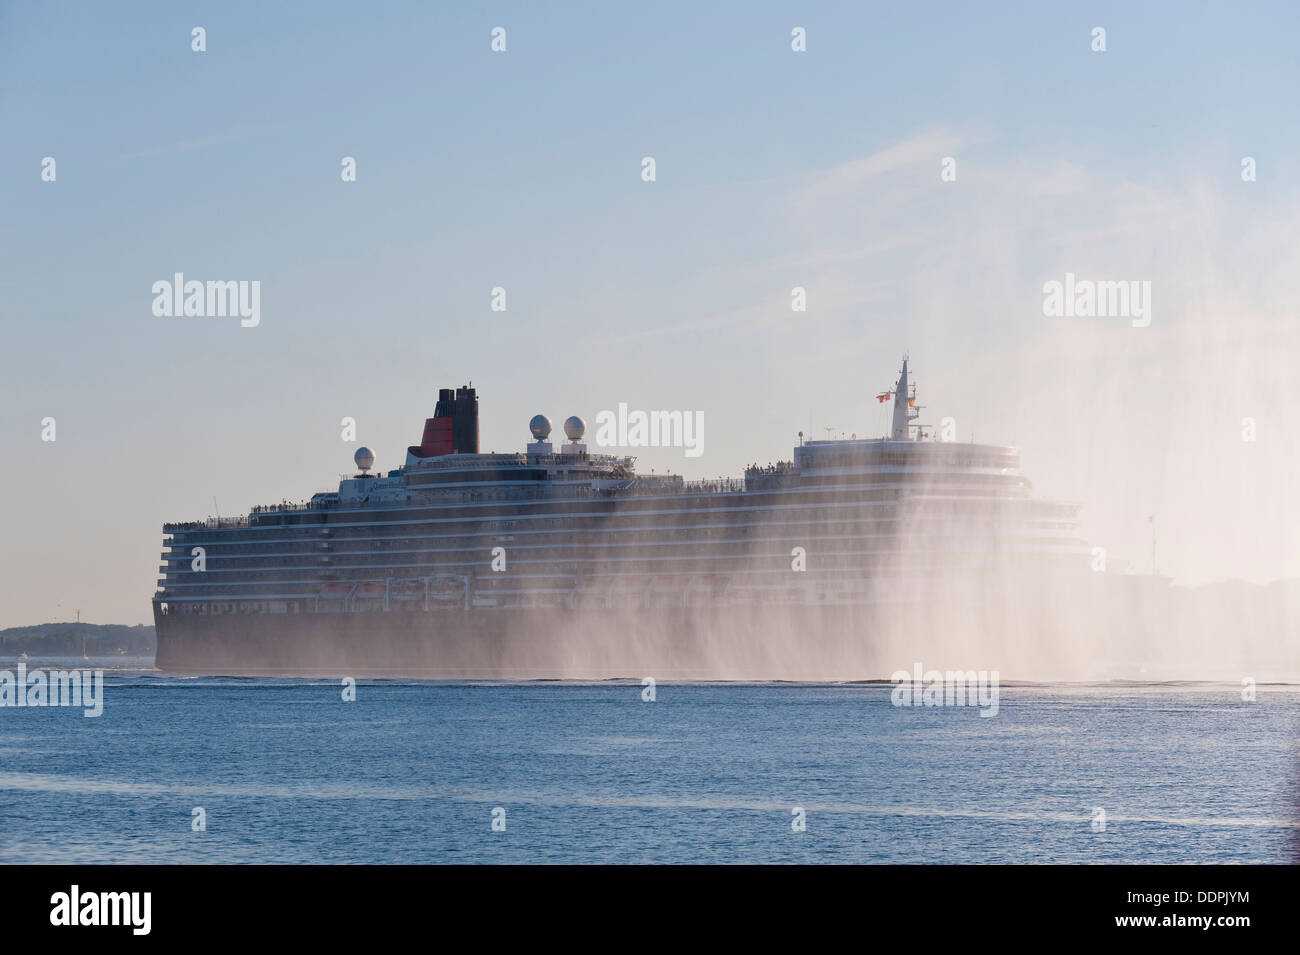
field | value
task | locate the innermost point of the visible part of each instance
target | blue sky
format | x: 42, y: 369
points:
x: 521, y: 169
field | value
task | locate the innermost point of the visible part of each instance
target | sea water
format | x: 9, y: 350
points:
x: 287, y: 771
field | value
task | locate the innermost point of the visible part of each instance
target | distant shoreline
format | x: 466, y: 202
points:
x: 74, y: 639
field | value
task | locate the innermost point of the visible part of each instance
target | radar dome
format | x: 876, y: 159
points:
x: 365, y: 458
x: 575, y: 427
x: 540, y: 426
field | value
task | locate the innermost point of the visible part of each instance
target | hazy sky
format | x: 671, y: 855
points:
x: 522, y: 169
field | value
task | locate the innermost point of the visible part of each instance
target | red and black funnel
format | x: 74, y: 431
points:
x: 453, y: 429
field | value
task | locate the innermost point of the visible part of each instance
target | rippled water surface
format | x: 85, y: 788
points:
x: 286, y: 771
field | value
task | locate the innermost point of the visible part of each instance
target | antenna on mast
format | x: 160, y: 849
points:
x: 905, y: 411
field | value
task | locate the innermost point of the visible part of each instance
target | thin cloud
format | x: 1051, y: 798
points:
x: 193, y: 145
x: 849, y: 177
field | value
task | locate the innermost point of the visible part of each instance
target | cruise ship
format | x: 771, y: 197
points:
x: 562, y: 562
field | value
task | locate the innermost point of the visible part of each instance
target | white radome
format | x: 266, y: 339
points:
x: 364, y: 458
x: 540, y: 426
x: 574, y: 427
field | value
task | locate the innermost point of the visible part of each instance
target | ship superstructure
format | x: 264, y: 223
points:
x: 457, y: 543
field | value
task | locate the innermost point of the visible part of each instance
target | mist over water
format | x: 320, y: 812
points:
x: 1078, y: 628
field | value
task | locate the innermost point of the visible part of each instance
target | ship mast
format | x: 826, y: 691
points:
x: 904, y: 412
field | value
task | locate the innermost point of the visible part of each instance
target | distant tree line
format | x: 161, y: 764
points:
x: 66, y: 639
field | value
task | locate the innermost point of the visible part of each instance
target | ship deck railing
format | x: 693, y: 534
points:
x: 212, y: 523
x: 671, y: 487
